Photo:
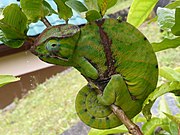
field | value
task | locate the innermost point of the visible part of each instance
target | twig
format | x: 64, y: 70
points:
x: 132, y: 127
x: 46, y: 22
x: 179, y: 129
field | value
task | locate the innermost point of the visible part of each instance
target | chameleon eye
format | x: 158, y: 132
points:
x: 52, y: 46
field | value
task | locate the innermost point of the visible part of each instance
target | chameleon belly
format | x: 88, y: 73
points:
x: 115, y: 48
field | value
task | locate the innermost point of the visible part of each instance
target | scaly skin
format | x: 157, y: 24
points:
x: 113, y: 56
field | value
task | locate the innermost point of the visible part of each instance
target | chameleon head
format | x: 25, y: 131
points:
x: 56, y: 44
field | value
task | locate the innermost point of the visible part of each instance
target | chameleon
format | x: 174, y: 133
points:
x: 113, y: 56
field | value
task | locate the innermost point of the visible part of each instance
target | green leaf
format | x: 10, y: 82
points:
x: 173, y: 5
x: 47, y: 7
x: 163, y: 107
x: 92, y: 15
x: 166, y: 18
x: 120, y: 129
x: 35, y: 9
x: 5, y: 79
x: 92, y: 4
x: 159, y: 91
x: 169, y: 74
x: 173, y: 128
x: 173, y: 118
x: 64, y: 11
x: 76, y: 5
x: 139, y: 11
x: 176, y: 28
x: 166, y: 44
x: 149, y: 127
x: 14, y: 22
x: 14, y: 43
x: 104, y: 5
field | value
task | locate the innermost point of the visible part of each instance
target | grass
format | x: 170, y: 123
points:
x: 49, y: 109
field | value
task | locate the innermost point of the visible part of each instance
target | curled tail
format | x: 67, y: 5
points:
x: 93, y: 113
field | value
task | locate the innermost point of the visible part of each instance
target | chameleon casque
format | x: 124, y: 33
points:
x: 113, y: 56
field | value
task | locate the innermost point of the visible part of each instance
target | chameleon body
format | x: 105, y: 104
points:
x: 113, y: 56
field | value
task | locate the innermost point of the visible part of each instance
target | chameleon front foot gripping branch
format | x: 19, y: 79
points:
x: 132, y: 127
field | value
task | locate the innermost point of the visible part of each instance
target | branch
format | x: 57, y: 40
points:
x: 132, y: 127
x: 46, y: 22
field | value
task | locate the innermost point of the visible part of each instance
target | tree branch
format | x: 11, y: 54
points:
x: 132, y: 127
x: 46, y: 22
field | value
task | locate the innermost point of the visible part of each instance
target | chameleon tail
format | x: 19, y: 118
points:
x: 93, y: 113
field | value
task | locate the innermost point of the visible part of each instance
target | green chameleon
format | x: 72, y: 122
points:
x: 113, y: 56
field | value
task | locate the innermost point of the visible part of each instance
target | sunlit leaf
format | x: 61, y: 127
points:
x: 120, y: 129
x: 166, y: 18
x: 35, y: 9
x: 5, y: 79
x: 13, y: 26
x: 14, y: 22
x: 64, y: 11
x: 163, y: 107
x: 76, y: 5
x: 149, y: 127
x: 176, y: 119
x: 139, y: 11
x: 176, y: 28
x: 173, y: 5
x: 169, y: 74
x: 92, y: 15
x: 166, y: 44
x: 92, y: 4
x: 104, y: 5
x: 159, y: 91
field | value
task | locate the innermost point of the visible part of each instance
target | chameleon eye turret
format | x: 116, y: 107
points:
x: 52, y: 46
x: 114, y: 57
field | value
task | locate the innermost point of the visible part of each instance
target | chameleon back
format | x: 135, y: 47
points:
x: 114, y: 47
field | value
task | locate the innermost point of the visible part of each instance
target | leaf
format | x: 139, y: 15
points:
x: 5, y: 79
x: 35, y: 9
x: 14, y: 43
x: 173, y: 128
x: 169, y: 74
x: 173, y: 118
x: 163, y: 107
x: 47, y: 7
x: 104, y: 5
x: 64, y: 11
x: 166, y: 18
x: 149, y: 127
x: 176, y: 28
x: 139, y: 11
x: 159, y: 91
x: 120, y: 129
x: 173, y: 5
x: 76, y: 5
x: 91, y: 4
x: 14, y: 22
x: 166, y: 44
x: 92, y: 15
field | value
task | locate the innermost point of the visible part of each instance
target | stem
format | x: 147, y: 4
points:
x: 179, y: 129
x: 132, y: 127
x: 46, y: 22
